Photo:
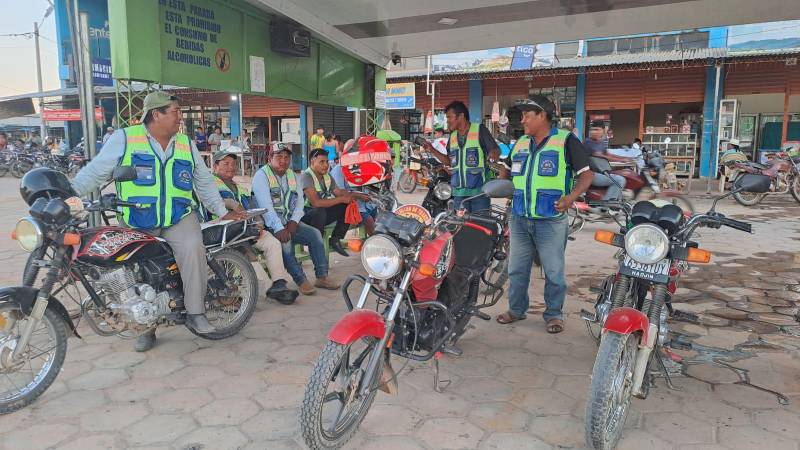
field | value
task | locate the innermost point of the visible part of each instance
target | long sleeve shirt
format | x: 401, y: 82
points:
x: 100, y: 169
x: 263, y: 197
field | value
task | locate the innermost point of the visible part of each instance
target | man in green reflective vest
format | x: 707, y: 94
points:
x: 544, y: 162
x: 169, y: 168
x: 238, y: 199
x: 470, y: 149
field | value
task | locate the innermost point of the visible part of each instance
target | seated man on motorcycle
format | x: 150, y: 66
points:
x: 275, y: 188
x: 326, y: 203
x: 150, y: 146
x: 236, y: 199
x: 598, y: 146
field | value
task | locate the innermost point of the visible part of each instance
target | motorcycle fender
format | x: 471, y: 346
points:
x: 25, y: 297
x: 357, y: 324
x: 626, y: 321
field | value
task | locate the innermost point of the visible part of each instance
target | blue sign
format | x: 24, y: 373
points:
x: 401, y: 96
x: 523, y: 57
x: 101, y: 72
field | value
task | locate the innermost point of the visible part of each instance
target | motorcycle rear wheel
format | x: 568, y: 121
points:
x: 239, y: 308
x: 610, y: 392
x: 794, y: 187
x: 20, y: 168
x: 748, y: 198
x: 48, y: 346
x: 407, y: 182
x: 334, y: 367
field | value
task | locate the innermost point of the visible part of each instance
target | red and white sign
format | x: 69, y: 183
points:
x: 51, y: 115
x: 415, y: 212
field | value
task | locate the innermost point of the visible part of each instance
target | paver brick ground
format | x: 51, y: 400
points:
x: 515, y: 387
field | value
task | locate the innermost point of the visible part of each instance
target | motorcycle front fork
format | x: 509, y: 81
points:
x: 39, y: 307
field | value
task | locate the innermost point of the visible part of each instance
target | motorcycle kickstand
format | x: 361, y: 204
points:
x: 667, y: 377
x: 439, y: 385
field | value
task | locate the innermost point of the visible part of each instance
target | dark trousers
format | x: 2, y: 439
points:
x: 320, y: 217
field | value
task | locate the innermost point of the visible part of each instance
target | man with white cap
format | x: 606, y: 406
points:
x: 170, y: 169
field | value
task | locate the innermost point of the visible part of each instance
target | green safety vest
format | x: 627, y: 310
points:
x: 166, y: 186
x: 540, y: 178
x: 467, y: 162
x: 324, y: 190
x: 226, y: 192
x: 282, y: 202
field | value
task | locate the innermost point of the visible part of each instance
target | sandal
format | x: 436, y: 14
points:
x: 509, y: 317
x: 555, y: 326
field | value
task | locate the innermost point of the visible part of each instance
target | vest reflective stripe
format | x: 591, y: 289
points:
x: 539, y: 178
x: 467, y: 162
x: 226, y: 192
x: 324, y: 190
x: 282, y: 203
x: 164, y: 185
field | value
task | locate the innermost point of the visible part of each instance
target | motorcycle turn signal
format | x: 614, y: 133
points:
x: 610, y: 238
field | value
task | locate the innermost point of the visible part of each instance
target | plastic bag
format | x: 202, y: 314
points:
x: 351, y: 215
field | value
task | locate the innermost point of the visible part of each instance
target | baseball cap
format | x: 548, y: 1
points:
x: 220, y: 154
x: 597, y: 124
x: 156, y: 99
x: 278, y: 147
x: 317, y: 152
x: 536, y: 103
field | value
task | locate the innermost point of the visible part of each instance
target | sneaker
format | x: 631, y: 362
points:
x: 199, y: 324
x: 306, y: 288
x: 325, y: 283
x: 146, y: 341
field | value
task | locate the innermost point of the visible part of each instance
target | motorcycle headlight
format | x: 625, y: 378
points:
x: 29, y: 234
x: 443, y: 191
x: 381, y: 257
x: 646, y: 244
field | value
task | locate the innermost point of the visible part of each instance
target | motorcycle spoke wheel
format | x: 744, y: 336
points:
x: 230, y: 309
x: 26, y: 378
x: 748, y: 198
x: 794, y: 187
x: 333, y: 406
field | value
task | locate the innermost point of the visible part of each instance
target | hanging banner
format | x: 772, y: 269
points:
x: 101, y: 72
x: 401, y: 96
x: 521, y: 57
x: 53, y: 115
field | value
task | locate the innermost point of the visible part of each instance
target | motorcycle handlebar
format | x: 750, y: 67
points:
x: 737, y: 224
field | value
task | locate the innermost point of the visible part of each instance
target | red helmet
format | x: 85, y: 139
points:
x: 370, y: 163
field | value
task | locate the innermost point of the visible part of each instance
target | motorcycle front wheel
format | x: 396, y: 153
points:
x: 333, y: 406
x: 20, y: 168
x: 610, y: 392
x: 748, y: 198
x: 794, y: 187
x: 229, y: 309
x: 26, y: 378
x: 407, y: 182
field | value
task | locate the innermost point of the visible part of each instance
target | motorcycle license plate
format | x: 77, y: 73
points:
x: 414, y: 166
x: 657, y: 272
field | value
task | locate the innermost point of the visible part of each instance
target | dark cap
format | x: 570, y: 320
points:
x: 597, y: 124
x: 319, y: 127
x: 317, y: 152
x: 221, y: 154
x: 537, y: 103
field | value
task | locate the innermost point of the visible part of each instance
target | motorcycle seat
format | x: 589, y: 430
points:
x: 213, y: 232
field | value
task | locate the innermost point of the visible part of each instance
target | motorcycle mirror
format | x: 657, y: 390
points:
x: 124, y: 173
x: 599, y: 165
x: 498, y: 189
x: 750, y: 182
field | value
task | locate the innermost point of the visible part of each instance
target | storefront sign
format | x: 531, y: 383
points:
x: 380, y: 99
x: 52, y: 115
x: 101, y: 72
x: 401, y: 96
x: 521, y: 57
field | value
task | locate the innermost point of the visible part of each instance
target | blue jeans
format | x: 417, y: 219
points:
x: 549, y: 238
x: 614, y: 192
x: 474, y: 205
x: 310, y: 236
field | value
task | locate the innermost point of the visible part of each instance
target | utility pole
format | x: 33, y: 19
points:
x: 42, y: 125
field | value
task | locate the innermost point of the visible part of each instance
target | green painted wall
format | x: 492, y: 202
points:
x: 209, y: 44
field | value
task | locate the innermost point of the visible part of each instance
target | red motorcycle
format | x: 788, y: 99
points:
x: 783, y: 170
x: 425, y: 281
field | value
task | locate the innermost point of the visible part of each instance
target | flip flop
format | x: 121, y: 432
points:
x: 508, y: 317
x: 555, y: 326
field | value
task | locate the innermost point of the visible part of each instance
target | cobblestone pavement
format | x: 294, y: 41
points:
x: 515, y: 387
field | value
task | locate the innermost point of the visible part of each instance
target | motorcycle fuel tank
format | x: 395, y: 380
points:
x: 105, y: 246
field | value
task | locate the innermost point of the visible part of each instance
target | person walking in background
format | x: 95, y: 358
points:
x: 597, y: 144
x: 214, y: 140
x: 329, y: 146
x: 318, y: 138
x: 200, y: 139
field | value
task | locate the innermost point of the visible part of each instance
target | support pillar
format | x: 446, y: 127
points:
x: 580, y: 105
x: 303, y: 137
x: 715, y: 76
x: 476, y: 100
x: 787, y: 92
x: 236, y: 115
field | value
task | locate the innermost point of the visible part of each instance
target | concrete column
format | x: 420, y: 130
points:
x: 708, y: 146
x: 476, y: 101
x: 303, y: 137
x: 580, y: 105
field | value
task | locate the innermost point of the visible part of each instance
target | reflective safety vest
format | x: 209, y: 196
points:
x: 226, y: 192
x: 540, y: 178
x: 162, y: 188
x: 324, y: 190
x: 282, y: 202
x: 467, y: 162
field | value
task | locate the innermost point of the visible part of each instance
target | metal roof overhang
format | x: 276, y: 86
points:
x: 373, y: 30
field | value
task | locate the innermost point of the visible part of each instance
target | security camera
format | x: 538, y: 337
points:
x: 396, y: 58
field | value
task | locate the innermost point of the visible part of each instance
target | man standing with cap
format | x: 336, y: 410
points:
x: 237, y: 199
x: 543, y: 163
x: 169, y: 168
x: 275, y: 188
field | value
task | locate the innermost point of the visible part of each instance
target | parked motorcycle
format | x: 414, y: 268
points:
x: 783, y: 171
x: 131, y: 278
x: 656, y: 247
x: 425, y: 279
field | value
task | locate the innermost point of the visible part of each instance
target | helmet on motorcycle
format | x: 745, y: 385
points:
x: 45, y: 182
x: 370, y: 163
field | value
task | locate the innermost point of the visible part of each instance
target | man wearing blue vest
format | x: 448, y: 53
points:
x: 543, y: 163
x: 276, y: 188
x: 169, y: 168
x: 469, y: 150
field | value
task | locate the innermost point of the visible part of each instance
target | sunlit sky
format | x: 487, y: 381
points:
x: 18, y: 66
